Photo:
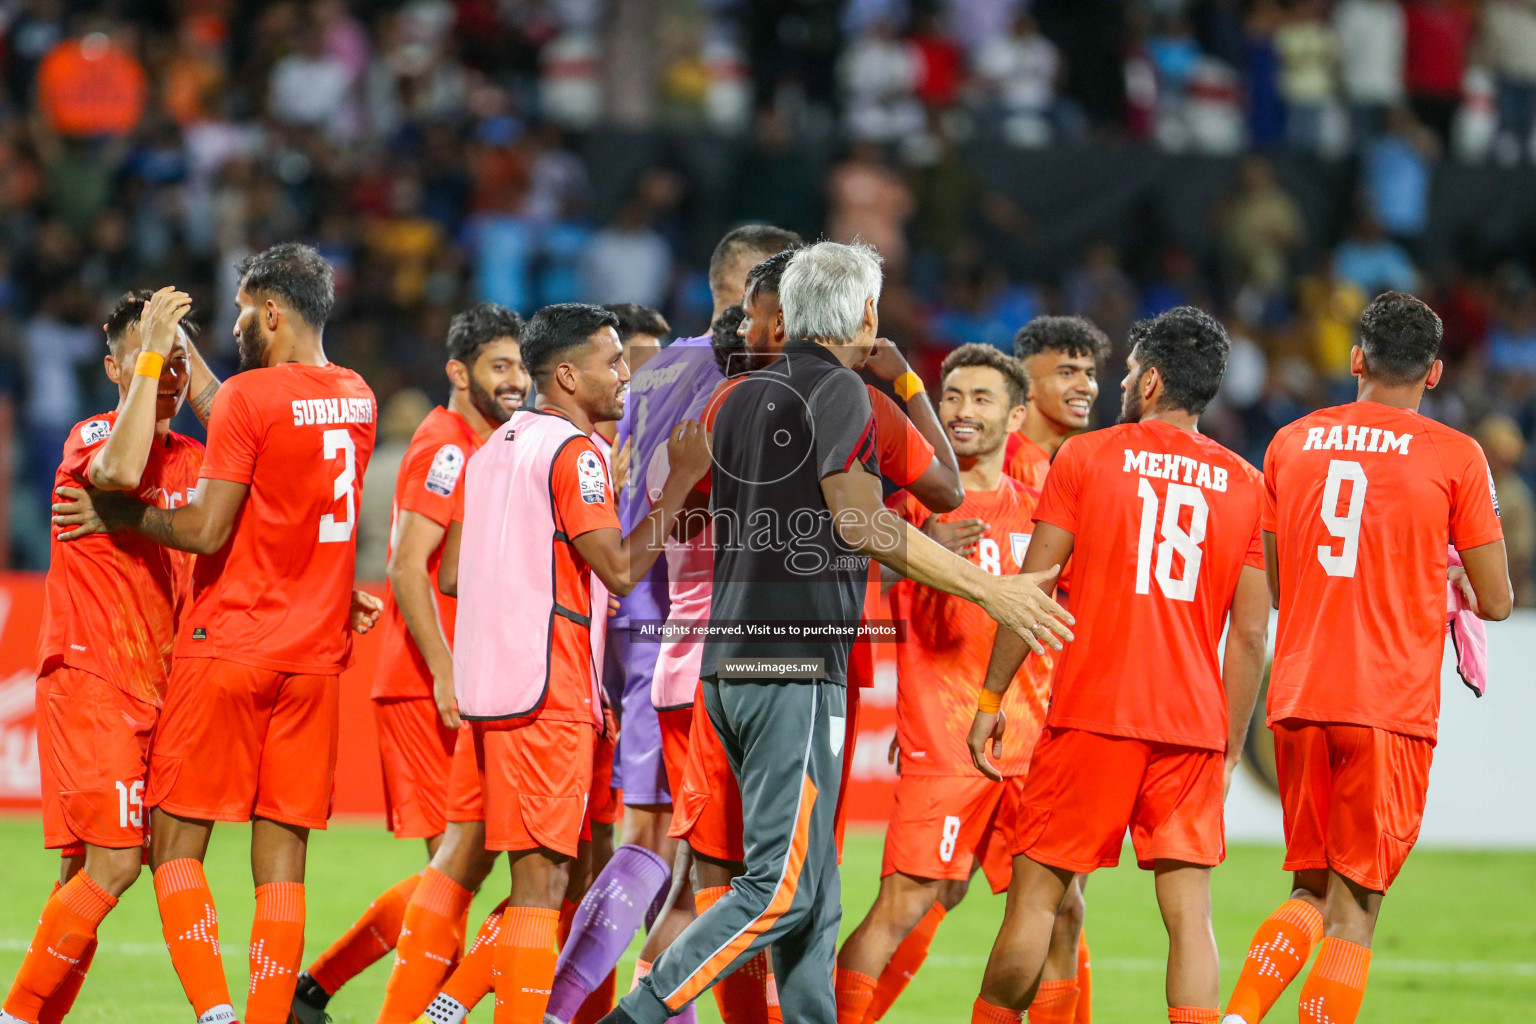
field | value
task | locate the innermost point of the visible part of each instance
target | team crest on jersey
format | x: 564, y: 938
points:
x: 96, y: 430
x: 1020, y: 542
x: 447, y: 464
x: 1493, y: 492
x: 591, y: 478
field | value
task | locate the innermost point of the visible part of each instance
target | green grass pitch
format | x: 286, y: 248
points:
x: 1457, y: 940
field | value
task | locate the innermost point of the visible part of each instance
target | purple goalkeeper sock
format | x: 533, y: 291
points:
x: 605, y: 922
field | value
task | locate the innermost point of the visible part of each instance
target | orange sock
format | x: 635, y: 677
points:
x: 742, y: 995
x: 1336, y: 986
x: 277, y: 952
x: 1193, y: 1015
x: 775, y: 1011
x: 983, y: 1012
x: 903, y: 965
x: 63, y: 999
x: 1279, y: 951
x: 1084, y: 1012
x: 190, y: 925
x: 600, y: 1002
x: 854, y: 993
x: 65, y: 931
x: 642, y: 968
x: 1055, y: 1002
x: 525, y: 964
x: 471, y: 980
x: 426, y: 948
x: 373, y: 935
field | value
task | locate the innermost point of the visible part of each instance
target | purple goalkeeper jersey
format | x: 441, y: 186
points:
x: 673, y: 386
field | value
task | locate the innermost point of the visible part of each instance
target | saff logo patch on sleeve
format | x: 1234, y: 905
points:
x: 1493, y: 492
x: 1020, y: 542
x: 95, y: 430
x: 447, y: 465
x: 591, y: 478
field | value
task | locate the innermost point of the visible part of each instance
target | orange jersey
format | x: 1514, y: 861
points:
x: 943, y: 661
x: 111, y: 600
x: 1027, y: 462
x: 1363, y: 500
x: 278, y: 595
x: 1169, y: 518
x: 428, y: 485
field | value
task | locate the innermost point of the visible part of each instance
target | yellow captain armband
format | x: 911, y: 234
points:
x: 989, y: 703
x: 907, y: 385
x: 148, y: 365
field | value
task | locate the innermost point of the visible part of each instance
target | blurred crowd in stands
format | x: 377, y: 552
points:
x: 523, y: 151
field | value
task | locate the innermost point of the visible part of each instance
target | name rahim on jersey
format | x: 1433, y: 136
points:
x: 308, y: 412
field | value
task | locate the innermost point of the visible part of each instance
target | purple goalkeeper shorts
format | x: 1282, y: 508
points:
x: 638, y: 768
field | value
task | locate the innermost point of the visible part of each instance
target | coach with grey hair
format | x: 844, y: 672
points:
x: 797, y: 513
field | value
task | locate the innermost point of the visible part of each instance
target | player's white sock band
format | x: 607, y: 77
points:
x: 221, y: 1014
x: 1233, y: 1018
x: 11, y: 1018
x: 445, y: 1010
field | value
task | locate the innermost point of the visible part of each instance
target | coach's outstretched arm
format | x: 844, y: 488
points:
x: 1049, y: 548
x: 620, y: 562
x: 867, y: 526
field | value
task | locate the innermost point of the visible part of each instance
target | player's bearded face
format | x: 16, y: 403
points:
x: 498, y: 384
x: 250, y: 338
x: 757, y: 329
x: 604, y: 379
x: 1131, y: 406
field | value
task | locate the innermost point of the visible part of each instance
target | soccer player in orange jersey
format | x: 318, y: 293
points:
x: 949, y: 819
x: 105, y: 652
x: 1362, y: 503
x: 413, y: 687
x: 248, y: 732
x: 1062, y: 355
x: 1145, y: 723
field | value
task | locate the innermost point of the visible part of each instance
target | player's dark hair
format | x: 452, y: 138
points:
x: 1189, y: 348
x: 1012, y: 370
x: 295, y: 273
x: 555, y: 330
x: 1069, y: 335
x: 765, y: 277
x: 749, y: 238
x: 637, y: 319
x: 1400, y: 336
x: 729, y: 347
x: 479, y: 325
x: 127, y: 312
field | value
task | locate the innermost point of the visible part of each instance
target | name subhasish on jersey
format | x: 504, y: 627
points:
x: 1177, y: 468
x: 321, y: 411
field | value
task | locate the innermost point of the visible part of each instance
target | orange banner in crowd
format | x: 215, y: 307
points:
x: 359, y: 783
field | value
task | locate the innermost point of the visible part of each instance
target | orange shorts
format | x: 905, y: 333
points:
x: 93, y: 752
x: 706, y: 810
x: 1085, y: 789
x: 603, y: 807
x: 943, y: 824
x: 537, y: 779
x: 236, y: 742
x: 1353, y: 798
x: 416, y: 750
x: 676, y: 724
x: 466, y: 802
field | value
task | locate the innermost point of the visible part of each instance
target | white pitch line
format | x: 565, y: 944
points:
x: 1391, y: 965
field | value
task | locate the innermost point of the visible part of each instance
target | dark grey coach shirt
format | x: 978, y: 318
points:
x: 778, y: 558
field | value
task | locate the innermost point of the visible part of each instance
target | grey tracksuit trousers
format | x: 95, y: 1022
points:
x: 785, y: 744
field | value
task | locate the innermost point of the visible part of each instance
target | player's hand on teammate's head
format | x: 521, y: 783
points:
x: 987, y: 728
x: 365, y: 611
x: 76, y: 514
x: 1022, y: 604
x: 688, y: 452
x: 885, y: 360
x: 959, y: 536
x: 160, y: 318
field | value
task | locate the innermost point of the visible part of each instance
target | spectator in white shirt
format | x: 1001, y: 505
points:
x: 1370, y: 36
x: 1020, y: 72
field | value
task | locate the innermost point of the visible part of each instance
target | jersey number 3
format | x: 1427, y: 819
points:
x: 1170, y: 538
x: 332, y: 530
